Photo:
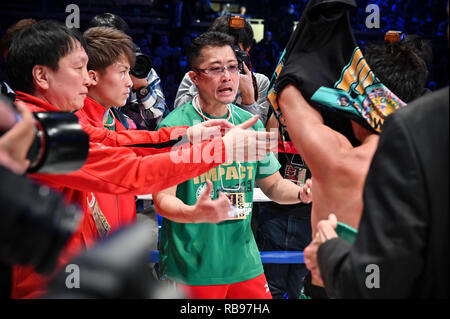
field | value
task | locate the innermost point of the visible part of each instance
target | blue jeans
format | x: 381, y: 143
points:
x: 276, y: 232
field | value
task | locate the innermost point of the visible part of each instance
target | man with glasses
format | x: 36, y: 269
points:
x: 251, y: 94
x: 217, y: 257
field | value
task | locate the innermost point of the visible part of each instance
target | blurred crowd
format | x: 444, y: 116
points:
x: 169, y: 51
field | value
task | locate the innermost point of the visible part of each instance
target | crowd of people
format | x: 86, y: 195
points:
x: 411, y: 17
x: 169, y: 49
x: 220, y: 94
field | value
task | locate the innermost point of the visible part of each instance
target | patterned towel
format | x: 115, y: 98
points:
x: 324, y: 62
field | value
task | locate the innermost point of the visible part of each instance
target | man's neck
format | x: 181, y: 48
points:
x: 42, y: 97
x: 212, y: 109
x: 96, y: 98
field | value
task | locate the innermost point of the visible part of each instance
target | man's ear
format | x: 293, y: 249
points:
x: 41, y: 77
x: 94, y: 77
x: 194, y: 77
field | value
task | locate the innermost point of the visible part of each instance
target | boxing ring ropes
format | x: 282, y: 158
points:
x: 267, y: 257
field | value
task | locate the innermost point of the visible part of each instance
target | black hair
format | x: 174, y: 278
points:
x: 244, y: 35
x: 398, y: 67
x: 109, y: 20
x: 207, y: 39
x: 43, y: 43
x: 421, y: 46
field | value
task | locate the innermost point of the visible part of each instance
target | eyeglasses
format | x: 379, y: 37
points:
x: 219, y: 70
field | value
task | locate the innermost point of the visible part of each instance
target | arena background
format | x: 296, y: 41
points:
x: 272, y: 20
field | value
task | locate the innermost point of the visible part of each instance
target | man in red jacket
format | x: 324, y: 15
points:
x: 47, y: 66
x: 110, y: 52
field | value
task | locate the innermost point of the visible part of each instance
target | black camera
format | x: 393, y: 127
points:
x: 241, y: 56
x: 35, y: 223
x: 142, y: 66
x: 60, y: 145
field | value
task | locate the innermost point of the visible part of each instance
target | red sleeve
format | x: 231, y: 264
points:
x: 119, y: 170
x: 140, y: 141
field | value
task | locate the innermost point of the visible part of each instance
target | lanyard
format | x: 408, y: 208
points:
x: 197, y: 109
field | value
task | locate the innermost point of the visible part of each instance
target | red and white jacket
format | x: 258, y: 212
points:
x: 122, y: 162
x: 118, y: 209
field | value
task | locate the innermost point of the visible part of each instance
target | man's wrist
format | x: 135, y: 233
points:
x: 299, y: 196
x: 188, y: 213
x: 248, y: 102
x: 248, y: 97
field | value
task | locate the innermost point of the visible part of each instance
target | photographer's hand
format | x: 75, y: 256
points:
x: 138, y: 83
x: 7, y: 162
x: 246, y: 86
x: 16, y: 142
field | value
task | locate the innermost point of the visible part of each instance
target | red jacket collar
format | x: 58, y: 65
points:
x: 36, y: 103
x: 92, y: 111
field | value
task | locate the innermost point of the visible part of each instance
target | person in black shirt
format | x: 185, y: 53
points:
x: 403, y: 235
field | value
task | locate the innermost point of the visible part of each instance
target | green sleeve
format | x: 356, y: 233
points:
x: 268, y: 166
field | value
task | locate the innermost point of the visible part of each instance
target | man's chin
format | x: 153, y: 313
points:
x: 228, y: 100
x: 72, y: 108
x: 78, y: 106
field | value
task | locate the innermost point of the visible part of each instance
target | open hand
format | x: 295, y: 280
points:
x: 206, y: 130
x: 211, y: 211
x: 244, y: 145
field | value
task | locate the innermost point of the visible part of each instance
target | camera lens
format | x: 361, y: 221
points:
x: 142, y: 66
x: 61, y: 146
